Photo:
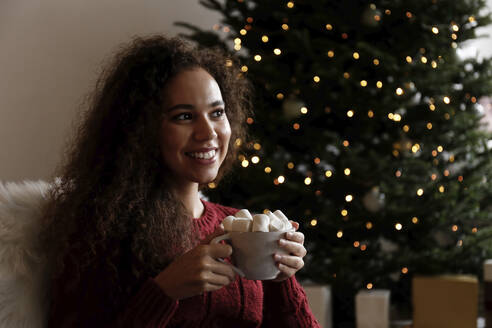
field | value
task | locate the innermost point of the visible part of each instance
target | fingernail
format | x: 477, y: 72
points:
x: 281, y: 242
x: 277, y: 257
x: 289, y: 234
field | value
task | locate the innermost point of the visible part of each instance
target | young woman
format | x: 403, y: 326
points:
x: 126, y: 228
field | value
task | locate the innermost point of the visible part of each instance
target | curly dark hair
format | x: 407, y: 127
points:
x: 111, y: 214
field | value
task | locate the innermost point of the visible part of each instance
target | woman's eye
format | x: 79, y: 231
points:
x: 218, y: 113
x: 182, y: 117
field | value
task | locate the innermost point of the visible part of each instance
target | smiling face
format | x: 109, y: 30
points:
x: 195, y: 131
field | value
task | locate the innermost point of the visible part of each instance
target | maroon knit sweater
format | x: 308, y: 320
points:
x: 243, y: 303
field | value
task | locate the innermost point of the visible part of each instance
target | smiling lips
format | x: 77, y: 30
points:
x: 204, y: 155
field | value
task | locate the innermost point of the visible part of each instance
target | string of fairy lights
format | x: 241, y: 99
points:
x: 415, y: 148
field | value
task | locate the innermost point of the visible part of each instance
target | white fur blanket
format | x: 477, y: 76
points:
x: 23, y: 267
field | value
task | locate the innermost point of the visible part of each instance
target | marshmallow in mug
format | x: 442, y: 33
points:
x: 243, y: 221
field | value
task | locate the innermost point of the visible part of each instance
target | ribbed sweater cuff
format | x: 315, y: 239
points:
x: 292, y: 303
x: 151, y: 307
x: 290, y: 292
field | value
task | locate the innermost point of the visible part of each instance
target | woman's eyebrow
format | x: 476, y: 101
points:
x: 191, y: 107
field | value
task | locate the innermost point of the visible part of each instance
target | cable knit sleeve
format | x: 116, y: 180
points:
x: 150, y: 307
x: 286, y: 305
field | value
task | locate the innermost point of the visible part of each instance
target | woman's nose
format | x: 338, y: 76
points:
x: 204, y: 129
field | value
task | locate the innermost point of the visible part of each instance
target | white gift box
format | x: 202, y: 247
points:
x: 372, y: 308
x: 319, y: 299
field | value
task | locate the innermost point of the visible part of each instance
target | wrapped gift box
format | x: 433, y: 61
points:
x: 372, y: 308
x: 445, y: 301
x: 319, y: 298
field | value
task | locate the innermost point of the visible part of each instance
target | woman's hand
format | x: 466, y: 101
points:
x: 293, y: 245
x: 197, y: 271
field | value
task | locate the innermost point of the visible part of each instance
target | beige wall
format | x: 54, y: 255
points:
x: 50, y: 54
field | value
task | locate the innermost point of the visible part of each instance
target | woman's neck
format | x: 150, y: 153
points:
x: 189, y: 196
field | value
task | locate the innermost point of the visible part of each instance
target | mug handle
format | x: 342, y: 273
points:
x: 217, y: 240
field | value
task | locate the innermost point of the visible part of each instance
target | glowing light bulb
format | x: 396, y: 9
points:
x: 420, y: 192
x: 257, y: 58
x: 281, y: 179
x: 349, y: 198
x: 264, y: 38
x: 356, y: 55
x: 398, y: 226
x: 399, y: 91
x: 255, y: 159
x: 307, y: 181
x: 329, y: 27
x: 435, y: 30
x: 316, y: 79
x: 277, y: 51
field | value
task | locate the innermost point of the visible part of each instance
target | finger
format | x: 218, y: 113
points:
x: 224, y: 270
x: 219, y: 230
x: 286, y: 270
x: 218, y: 279
x: 209, y: 287
x: 293, y: 262
x: 292, y: 247
x: 295, y: 236
x: 294, y: 224
x: 219, y: 250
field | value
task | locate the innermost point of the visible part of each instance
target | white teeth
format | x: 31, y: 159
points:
x: 206, y: 155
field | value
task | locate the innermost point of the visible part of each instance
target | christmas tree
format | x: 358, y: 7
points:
x: 366, y: 131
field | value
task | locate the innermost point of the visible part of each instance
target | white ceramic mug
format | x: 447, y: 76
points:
x: 252, y: 253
